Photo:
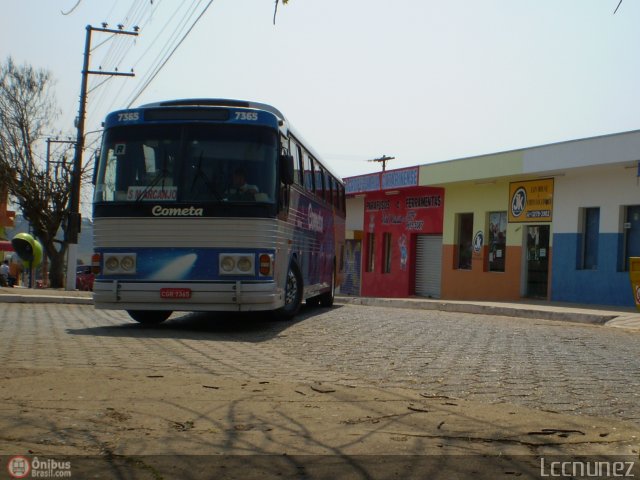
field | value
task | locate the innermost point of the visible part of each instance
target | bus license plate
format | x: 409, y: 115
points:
x: 175, y: 293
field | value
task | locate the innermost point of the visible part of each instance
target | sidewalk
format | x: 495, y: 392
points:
x: 44, y: 295
x: 619, y: 317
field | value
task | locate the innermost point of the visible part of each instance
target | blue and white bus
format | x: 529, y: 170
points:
x: 213, y: 205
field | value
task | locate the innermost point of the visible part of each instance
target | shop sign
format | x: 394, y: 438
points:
x: 363, y: 183
x: 531, y: 201
x: 478, y: 242
x: 400, y: 178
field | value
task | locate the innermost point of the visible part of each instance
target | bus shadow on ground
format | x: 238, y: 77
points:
x: 227, y: 326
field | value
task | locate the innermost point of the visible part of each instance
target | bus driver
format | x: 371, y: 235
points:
x: 240, y: 188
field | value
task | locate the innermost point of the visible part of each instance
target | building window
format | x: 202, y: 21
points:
x: 386, y: 254
x: 465, y: 240
x: 371, y: 248
x: 590, y: 234
x: 631, y: 234
x: 497, y: 241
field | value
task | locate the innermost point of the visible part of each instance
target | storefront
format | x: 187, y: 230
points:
x: 398, y: 240
x: 497, y: 240
x: 555, y: 222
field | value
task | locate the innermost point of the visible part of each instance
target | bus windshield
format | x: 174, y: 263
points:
x: 188, y: 163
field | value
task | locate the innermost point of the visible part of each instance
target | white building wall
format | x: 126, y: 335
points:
x: 355, y: 215
x: 605, y: 150
x: 608, y: 188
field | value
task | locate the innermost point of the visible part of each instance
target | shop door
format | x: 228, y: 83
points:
x: 428, y: 265
x: 352, y: 262
x: 537, y: 261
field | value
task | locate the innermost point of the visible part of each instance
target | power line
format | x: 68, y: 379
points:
x: 619, y: 3
x: 72, y: 8
x: 144, y: 87
x: 115, y: 98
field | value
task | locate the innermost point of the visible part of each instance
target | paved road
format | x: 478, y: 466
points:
x: 558, y: 366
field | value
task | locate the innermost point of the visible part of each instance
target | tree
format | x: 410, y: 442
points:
x: 40, y: 188
x: 275, y: 11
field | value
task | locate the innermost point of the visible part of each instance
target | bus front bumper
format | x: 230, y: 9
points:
x: 234, y: 296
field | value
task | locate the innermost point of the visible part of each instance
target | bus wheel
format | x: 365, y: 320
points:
x: 326, y: 299
x: 292, y: 293
x: 149, y: 317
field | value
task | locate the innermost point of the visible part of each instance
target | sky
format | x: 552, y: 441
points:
x: 419, y: 80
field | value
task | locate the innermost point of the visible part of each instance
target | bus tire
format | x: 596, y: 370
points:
x: 149, y: 317
x: 326, y: 299
x: 292, y: 293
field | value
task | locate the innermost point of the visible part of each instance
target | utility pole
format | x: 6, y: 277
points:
x: 74, y: 220
x: 45, y: 263
x: 383, y: 159
x: 49, y: 142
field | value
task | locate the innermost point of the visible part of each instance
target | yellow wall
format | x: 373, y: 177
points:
x: 472, y: 169
x: 480, y: 200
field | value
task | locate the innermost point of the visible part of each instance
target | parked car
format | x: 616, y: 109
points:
x: 84, y: 278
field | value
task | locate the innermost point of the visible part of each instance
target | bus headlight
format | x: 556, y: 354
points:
x: 111, y: 264
x: 123, y: 263
x: 237, y: 264
x: 244, y: 264
x: 128, y: 263
x: 227, y: 264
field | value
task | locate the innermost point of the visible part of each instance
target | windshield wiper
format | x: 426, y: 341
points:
x: 161, y: 175
x: 202, y: 174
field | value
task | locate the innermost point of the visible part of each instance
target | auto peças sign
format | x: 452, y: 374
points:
x: 531, y: 201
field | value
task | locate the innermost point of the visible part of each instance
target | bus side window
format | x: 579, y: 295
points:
x: 341, y: 198
x: 317, y: 176
x: 294, y: 150
x: 308, y: 172
x: 335, y: 199
x: 328, y: 187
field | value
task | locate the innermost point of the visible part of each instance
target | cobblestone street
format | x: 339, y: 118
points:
x: 548, y: 365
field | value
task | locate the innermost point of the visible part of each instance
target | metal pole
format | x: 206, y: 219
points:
x: 48, y: 155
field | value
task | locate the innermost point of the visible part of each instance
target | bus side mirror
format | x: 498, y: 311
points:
x: 286, y: 169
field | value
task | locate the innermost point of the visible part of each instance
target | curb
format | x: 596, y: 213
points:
x: 557, y: 313
x: 482, y: 309
x: 9, y: 298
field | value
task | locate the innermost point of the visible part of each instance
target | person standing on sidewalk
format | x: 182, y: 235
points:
x: 4, y: 274
x: 15, y: 269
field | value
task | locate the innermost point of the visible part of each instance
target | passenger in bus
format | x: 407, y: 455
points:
x: 241, y: 190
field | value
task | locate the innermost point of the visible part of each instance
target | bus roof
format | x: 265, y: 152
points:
x: 217, y: 102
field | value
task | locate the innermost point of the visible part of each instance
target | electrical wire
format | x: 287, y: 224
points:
x: 138, y: 18
x: 164, y: 51
x: 117, y: 52
x: 120, y: 48
x: 157, y: 71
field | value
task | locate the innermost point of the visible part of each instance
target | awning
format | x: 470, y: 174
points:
x: 5, y: 246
